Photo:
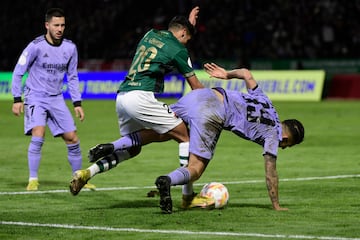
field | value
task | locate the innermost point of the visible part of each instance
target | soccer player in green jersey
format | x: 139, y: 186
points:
x: 158, y: 52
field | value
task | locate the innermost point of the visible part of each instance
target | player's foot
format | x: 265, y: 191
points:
x: 33, y: 185
x: 202, y: 202
x: 100, y: 151
x: 79, y: 180
x: 186, y: 200
x: 90, y: 186
x: 163, y: 185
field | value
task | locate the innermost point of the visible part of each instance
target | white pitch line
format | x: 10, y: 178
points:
x: 197, y: 184
x: 234, y: 234
x: 299, y: 179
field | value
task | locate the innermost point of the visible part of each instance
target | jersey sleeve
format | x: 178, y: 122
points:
x: 25, y: 60
x: 271, y: 145
x: 73, y: 78
x: 183, y: 63
x: 256, y: 92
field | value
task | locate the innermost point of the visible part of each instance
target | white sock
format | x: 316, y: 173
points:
x: 187, y: 189
x: 94, y: 169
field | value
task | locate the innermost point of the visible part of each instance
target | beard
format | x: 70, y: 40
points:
x: 56, y: 39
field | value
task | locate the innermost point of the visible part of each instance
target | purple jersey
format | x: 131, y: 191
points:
x: 47, y: 65
x: 250, y: 116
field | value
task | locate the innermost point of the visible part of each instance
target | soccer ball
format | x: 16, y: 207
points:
x: 217, y: 191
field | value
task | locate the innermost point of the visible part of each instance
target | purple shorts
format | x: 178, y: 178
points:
x: 204, y: 113
x: 51, y: 111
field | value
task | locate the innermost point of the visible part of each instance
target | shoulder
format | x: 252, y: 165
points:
x: 69, y: 42
x: 39, y: 40
x: 165, y: 41
x: 257, y: 91
x: 69, y: 46
x: 35, y: 44
x: 150, y: 33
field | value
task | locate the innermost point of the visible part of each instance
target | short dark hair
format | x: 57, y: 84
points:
x: 296, y: 129
x: 54, y: 12
x: 183, y: 21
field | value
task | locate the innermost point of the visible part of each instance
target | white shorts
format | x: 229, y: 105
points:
x: 138, y: 110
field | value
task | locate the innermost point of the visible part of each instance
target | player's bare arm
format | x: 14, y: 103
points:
x: 272, y: 181
x: 242, y: 73
x: 194, y: 15
x: 245, y: 74
x: 194, y: 82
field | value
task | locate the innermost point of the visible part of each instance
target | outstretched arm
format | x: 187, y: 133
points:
x: 242, y: 73
x: 272, y: 181
x: 194, y: 15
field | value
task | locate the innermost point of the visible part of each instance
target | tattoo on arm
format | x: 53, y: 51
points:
x: 272, y: 179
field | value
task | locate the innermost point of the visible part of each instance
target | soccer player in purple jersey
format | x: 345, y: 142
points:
x: 251, y: 116
x: 46, y: 60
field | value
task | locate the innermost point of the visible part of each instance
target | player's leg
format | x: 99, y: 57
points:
x: 136, y: 139
x: 205, y: 124
x: 113, y: 159
x: 163, y: 183
x: 72, y: 142
x: 144, y: 108
x: 128, y: 126
x: 34, y: 125
x: 61, y: 123
x: 187, y: 189
x: 136, y: 111
x: 171, y: 127
x: 34, y: 156
x: 180, y: 176
x: 141, y: 110
x: 191, y: 173
x: 130, y: 146
x: 81, y: 177
x: 101, y: 150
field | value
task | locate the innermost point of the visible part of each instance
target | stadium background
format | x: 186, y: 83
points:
x: 319, y: 180
x: 265, y: 35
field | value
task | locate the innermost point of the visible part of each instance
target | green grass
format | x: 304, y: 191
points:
x: 319, y: 207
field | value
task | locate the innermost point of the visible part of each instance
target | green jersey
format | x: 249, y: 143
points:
x: 158, y: 53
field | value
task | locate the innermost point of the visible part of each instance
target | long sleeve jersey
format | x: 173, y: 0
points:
x: 47, y: 65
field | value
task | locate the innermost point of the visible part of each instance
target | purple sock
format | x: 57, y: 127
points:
x: 127, y: 141
x: 74, y: 156
x: 180, y: 176
x: 34, y: 155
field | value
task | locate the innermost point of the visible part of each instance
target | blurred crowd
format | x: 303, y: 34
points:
x: 236, y: 30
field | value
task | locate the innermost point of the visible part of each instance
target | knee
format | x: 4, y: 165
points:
x: 70, y: 138
x: 197, y: 166
x: 180, y: 133
x: 195, y: 174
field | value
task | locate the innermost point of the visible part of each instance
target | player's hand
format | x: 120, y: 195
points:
x: 79, y: 113
x: 280, y: 209
x: 215, y: 71
x: 18, y: 108
x: 277, y: 207
x: 194, y: 15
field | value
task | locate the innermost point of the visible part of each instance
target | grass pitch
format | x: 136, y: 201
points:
x: 319, y: 183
